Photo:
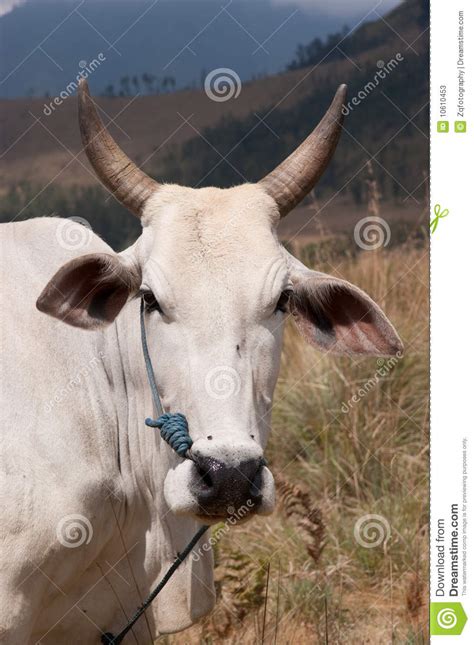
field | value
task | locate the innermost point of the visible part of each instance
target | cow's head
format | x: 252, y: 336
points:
x: 218, y: 288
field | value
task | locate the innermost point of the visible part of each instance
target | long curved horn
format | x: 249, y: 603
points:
x: 292, y: 180
x: 130, y: 185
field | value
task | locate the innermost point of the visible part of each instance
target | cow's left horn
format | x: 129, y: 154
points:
x: 130, y: 185
x: 292, y: 180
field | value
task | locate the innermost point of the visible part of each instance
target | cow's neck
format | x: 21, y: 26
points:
x: 141, y: 457
x: 142, y: 462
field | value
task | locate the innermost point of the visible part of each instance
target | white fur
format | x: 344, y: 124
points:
x: 213, y: 261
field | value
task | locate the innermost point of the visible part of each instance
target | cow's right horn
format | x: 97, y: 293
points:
x: 130, y: 185
x: 292, y: 180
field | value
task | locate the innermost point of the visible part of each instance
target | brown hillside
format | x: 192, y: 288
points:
x: 42, y: 149
x: 146, y: 126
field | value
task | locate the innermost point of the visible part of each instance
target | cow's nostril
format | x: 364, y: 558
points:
x: 219, y: 486
x: 204, y: 476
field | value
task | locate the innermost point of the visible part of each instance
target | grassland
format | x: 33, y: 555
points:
x: 307, y: 574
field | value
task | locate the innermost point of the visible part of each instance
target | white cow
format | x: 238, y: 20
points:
x: 94, y: 504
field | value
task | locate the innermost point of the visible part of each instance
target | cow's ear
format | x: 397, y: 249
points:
x: 89, y: 291
x: 337, y: 317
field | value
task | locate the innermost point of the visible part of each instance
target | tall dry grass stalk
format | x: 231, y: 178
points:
x: 351, y: 460
x: 373, y: 194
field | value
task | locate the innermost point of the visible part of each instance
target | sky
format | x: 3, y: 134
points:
x: 342, y: 7
x: 157, y: 45
x: 334, y: 7
x: 8, y: 5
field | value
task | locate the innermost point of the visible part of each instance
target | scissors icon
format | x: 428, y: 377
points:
x: 439, y: 214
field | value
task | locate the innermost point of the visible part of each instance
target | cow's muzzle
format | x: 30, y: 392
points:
x: 214, y: 489
x: 220, y: 489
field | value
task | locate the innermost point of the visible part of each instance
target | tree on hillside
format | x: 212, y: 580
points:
x: 168, y: 82
x: 125, y: 85
x: 148, y: 81
x: 109, y: 91
x: 136, y: 84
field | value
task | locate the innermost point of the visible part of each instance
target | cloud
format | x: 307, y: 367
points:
x: 341, y: 8
x: 7, y: 5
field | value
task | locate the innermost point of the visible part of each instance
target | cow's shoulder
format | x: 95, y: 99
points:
x: 32, y: 251
x: 57, y: 238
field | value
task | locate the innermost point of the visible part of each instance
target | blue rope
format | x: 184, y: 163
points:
x: 110, y: 639
x: 174, y: 430
x: 173, y: 427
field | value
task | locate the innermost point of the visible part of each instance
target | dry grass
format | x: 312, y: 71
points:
x: 323, y: 586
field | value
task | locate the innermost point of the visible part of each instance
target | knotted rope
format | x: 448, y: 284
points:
x: 174, y: 430
x: 173, y: 427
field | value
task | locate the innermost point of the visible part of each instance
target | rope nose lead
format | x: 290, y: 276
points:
x: 174, y: 430
x: 173, y: 427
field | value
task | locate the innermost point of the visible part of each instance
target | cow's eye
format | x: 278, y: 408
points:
x: 282, y: 304
x: 151, y: 303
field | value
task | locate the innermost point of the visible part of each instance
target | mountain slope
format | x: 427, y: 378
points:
x: 189, y: 138
x: 388, y: 120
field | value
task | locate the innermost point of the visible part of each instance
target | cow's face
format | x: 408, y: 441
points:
x: 218, y: 287
x: 216, y: 284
